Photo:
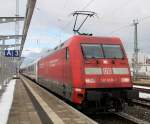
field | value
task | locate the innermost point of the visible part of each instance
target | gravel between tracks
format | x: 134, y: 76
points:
x: 139, y: 112
x: 110, y: 119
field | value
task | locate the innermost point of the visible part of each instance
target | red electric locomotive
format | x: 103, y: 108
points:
x: 88, y: 70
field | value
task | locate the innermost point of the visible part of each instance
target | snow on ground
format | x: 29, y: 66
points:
x: 6, y: 81
x: 6, y: 102
x: 144, y: 95
x: 0, y: 87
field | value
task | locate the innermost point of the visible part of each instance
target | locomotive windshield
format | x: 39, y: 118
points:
x: 92, y: 51
x: 112, y: 51
x: 102, y: 51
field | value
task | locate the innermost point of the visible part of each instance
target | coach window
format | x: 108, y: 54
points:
x: 67, y: 53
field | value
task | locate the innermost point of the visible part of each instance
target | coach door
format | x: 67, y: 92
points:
x: 67, y: 74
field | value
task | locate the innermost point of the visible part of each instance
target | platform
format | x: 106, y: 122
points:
x: 22, y: 110
x: 34, y: 105
x: 142, y: 82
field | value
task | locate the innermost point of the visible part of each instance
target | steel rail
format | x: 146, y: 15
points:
x: 131, y: 118
x: 142, y: 103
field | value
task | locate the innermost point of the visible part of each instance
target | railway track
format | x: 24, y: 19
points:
x: 142, y: 102
x: 131, y: 118
x: 125, y: 117
x: 117, y: 118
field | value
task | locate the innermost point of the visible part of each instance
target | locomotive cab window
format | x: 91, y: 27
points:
x: 67, y: 53
x: 102, y: 51
x: 113, y: 51
x: 92, y: 50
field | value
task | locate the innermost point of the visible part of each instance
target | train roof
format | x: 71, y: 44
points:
x: 92, y: 37
x: 83, y: 38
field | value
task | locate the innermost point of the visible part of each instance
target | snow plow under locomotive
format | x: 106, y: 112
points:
x: 88, y: 71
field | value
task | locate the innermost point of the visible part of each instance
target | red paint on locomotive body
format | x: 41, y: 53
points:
x: 70, y: 71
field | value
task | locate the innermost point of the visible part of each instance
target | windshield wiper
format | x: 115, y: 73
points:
x: 90, y: 57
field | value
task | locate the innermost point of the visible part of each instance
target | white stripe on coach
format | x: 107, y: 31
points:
x: 96, y: 71
x: 120, y: 71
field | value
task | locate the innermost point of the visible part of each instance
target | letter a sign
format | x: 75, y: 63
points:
x: 12, y: 53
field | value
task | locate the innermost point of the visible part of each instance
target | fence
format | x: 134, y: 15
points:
x: 7, y: 67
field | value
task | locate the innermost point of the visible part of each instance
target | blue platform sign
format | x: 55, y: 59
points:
x: 12, y: 53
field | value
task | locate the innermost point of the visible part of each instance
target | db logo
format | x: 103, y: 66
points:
x: 107, y: 71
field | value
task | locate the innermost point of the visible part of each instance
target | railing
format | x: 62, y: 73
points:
x: 7, y: 67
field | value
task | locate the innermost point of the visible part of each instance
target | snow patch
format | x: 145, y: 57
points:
x: 0, y: 87
x: 144, y: 95
x: 6, y: 102
x: 5, y: 82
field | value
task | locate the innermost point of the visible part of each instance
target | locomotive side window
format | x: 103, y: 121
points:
x: 112, y: 51
x: 67, y: 53
x: 92, y: 50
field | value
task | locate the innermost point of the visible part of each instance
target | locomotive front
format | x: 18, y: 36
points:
x: 106, y: 78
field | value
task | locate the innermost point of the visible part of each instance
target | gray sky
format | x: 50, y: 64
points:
x: 52, y: 21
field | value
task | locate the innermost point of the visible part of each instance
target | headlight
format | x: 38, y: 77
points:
x: 105, y: 62
x: 90, y: 80
x: 125, y: 79
x: 78, y: 89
